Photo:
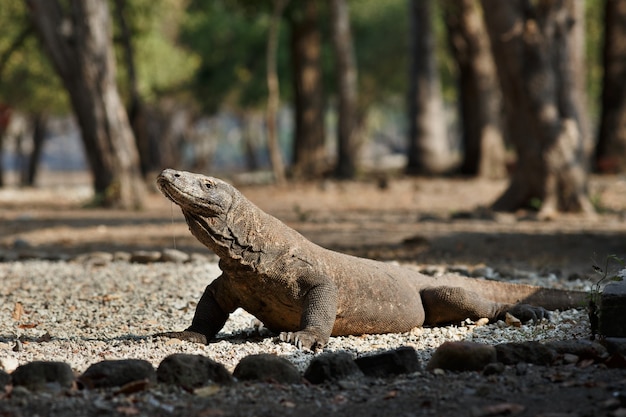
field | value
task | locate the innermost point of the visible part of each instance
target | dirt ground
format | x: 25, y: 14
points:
x: 427, y: 221
x: 424, y: 221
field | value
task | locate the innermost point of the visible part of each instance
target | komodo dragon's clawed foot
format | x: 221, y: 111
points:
x: 302, y: 339
x: 527, y: 312
x: 185, y: 335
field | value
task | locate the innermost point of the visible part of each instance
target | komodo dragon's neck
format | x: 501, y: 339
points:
x: 237, y: 235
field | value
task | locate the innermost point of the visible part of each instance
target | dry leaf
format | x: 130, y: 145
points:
x: 288, y: 404
x: 340, y: 399
x: 18, y: 311
x: 391, y: 394
x: 207, y: 391
x: 109, y: 297
x: 502, y: 409
x: 28, y: 325
x: 127, y: 411
x: 133, y: 386
x: 511, y: 320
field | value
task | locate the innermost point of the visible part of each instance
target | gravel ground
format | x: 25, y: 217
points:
x: 82, y: 313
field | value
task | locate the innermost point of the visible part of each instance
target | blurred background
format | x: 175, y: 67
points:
x: 531, y: 91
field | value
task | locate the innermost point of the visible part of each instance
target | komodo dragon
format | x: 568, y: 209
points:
x: 309, y: 293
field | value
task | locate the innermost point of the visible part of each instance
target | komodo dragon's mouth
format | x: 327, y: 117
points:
x: 179, y: 197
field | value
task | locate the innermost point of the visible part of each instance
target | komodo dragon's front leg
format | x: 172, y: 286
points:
x: 208, y: 319
x: 318, y: 317
x: 444, y: 305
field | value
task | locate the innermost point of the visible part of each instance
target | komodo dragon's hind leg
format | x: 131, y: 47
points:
x: 444, y: 305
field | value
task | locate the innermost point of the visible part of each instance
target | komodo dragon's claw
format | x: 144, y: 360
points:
x: 186, y: 335
x: 301, y: 339
x: 527, y: 312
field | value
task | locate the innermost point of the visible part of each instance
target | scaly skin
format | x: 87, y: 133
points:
x: 307, y: 293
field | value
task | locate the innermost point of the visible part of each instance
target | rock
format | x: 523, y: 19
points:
x: 483, y: 272
x: 199, y: 258
x: 94, y: 258
x: 528, y: 352
x: 493, y: 368
x: 122, y: 256
x: 116, y: 373
x: 5, y: 379
x: 8, y: 256
x: 462, y: 356
x: 616, y: 345
x: 145, y: 256
x: 460, y: 270
x: 267, y: 367
x: 612, y: 310
x: 8, y: 364
x: 19, y: 346
x: 333, y: 366
x: 584, y: 349
x: 21, y: 243
x: 192, y: 371
x: 43, y: 376
x: 174, y: 255
x: 403, y: 360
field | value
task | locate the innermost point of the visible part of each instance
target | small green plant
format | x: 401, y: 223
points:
x: 594, y: 296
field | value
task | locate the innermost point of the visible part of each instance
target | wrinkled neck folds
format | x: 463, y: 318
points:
x: 230, y: 235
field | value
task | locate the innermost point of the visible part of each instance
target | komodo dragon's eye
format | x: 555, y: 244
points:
x: 209, y: 185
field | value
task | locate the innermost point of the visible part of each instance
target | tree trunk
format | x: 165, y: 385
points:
x: 346, y: 75
x: 428, y: 147
x: 536, y: 49
x: 273, y: 94
x: 5, y: 119
x: 309, y: 156
x: 39, y: 135
x: 610, y: 153
x: 136, y: 109
x: 78, y: 41
x: 480, y: 98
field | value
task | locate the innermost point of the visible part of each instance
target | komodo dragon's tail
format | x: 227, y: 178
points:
x: 506, y: 292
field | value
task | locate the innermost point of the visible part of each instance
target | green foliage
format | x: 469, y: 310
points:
x: 606, y: 274
x: 163, y: 65
x: 27, y: 82
x: 231, y: 42
x: 380, y: 32
x: 216, y: 50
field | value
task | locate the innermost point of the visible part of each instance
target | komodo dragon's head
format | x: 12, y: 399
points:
x: 196, y: 194
x: 206, y: 203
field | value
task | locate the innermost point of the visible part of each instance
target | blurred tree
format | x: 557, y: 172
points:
x: 77, y: 38
x: 428, y: 151
x: 25, y: 83
x: 538, y: 49
x: 230, y: 40
x: 136, y: 108
x: 610, y: 153
x: 273, y: 93
x: 29, y: 172
x: 479, y: 93
x: 346, y: 79
x: 309, y: 152
x: 146, y: 35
